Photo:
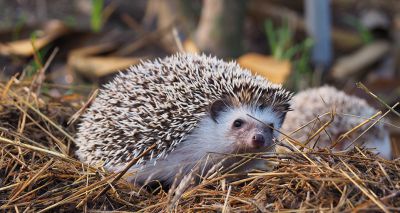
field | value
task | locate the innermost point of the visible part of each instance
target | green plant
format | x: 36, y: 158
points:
x: 37, y: 62
x: 304, y: 54
x: 96, y: 20
x: 364, y: 33
x: 18, y: 27
x: 281, y: 43
x: 303, y: 74
x: 70, y: 21
x: 280, y: 40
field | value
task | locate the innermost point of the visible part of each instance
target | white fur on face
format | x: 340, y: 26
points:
x: 262, y: 117
x: 209, y: 137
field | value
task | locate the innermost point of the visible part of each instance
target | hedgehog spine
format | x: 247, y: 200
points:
x: 167, y: 101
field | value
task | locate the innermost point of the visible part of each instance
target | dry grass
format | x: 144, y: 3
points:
x: 39, y: 173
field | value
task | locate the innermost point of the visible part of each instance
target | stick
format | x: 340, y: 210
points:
x: 130, y: 164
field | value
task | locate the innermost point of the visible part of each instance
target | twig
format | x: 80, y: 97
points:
x: 343, y: 136
x: 225, y: 208
x: 62, y: 146
x: 177, y: 40
x: 78, y: 113
x: 43, y: 116
x: 41, y: 150
x: 322, y: 128
x: 7, y: 87
x: 127, y: 167
x: 77, y: 194
x: 280, y: 132
x: 29, y: 181
x: 365, y: 191
x: 40, y: 76
x: 363, y: 87
x: 375, y: 122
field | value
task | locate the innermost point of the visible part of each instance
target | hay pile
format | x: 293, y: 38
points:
x: 38, y: 172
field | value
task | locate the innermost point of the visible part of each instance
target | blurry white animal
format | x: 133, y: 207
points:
x: 349, y: 111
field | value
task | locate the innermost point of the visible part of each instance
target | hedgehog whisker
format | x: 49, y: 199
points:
x: 269, y: 126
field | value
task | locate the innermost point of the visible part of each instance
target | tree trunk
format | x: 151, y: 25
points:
x: 181, y: 14
x: 221, y: 27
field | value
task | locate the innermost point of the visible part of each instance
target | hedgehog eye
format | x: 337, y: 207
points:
x: 238, y: 123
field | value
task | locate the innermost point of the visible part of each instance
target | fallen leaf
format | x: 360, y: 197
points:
x: 190, y: 47
x: 53, y: 30
x: 356, y: 63
x: 97, y: 66
x: 277, y: 71
x: 85, y: 61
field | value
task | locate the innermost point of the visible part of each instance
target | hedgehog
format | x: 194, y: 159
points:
x: 349, y: 111
x: 190, y: 106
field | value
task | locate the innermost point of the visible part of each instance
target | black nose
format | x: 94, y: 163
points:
x: 258, y: 140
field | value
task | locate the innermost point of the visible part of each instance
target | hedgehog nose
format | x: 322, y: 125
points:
x: 258, y: 140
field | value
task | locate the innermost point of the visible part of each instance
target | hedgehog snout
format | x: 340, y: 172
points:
x: 260, y: 139
x: 257, y: 140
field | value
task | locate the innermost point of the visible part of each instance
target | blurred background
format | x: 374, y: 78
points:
x: 81, y: 44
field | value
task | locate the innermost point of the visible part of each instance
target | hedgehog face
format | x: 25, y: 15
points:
x: 248, y: 134
x: 245, y: 129
x: 164, y: 102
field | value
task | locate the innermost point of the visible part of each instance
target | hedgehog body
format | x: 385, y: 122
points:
x: 189, y: 106
x: 349, y: 111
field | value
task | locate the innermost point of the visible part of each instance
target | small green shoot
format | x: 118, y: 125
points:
x: 278, y: 40
x: 302, y: 69
x: 96, y: 20
x: 281, y: 43
x: 18, y: 27
x: 365, y: 35
x: 37, y: 62
x: 70, y: 21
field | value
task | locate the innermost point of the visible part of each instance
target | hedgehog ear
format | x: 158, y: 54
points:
x: 283, y: 111
x: 283, y: 116
x: 217, y: 107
